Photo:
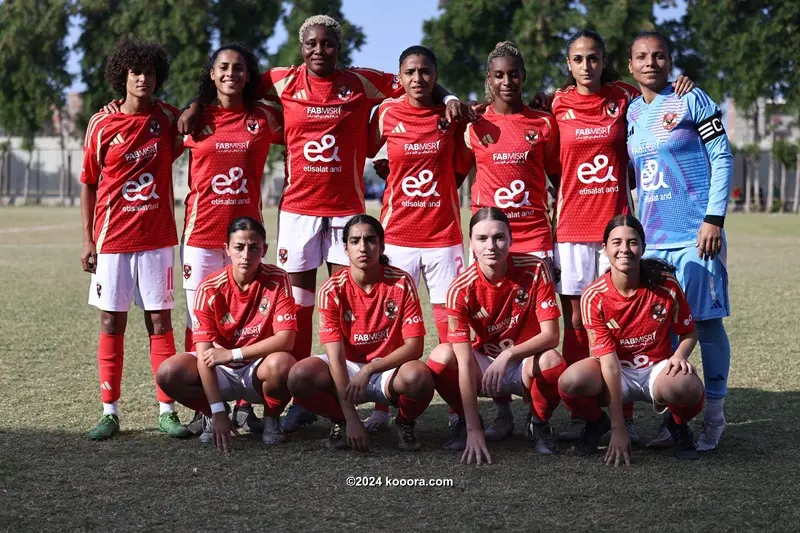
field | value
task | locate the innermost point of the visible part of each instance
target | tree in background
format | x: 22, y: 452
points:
x: 33, y: 57
x: 289, y: 52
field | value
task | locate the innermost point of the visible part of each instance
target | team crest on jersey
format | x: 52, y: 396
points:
x: 263, y: 307
x: 670, y: 121
x: 612, y: 109
x: 155, y: 128
x: 99, y: 289
x: 521, y: 297
x: 658, y: 312
x: 443, y: 124
x: 532, y: 136
x: 252, y: 126
x: 283, y: 255
x: 344, y: 92
x: 390, y: 309
x: 187, y: 271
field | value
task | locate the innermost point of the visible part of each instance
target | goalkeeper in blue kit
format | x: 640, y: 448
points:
x: 684, y: 167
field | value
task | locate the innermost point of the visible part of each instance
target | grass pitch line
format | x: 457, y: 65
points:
x: 38, y: 228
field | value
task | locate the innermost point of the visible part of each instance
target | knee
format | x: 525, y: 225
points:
x: 169, y: 374
x: 443, y: 354
x: 301, y: 379
x: 162, y: 321
x: 693, y: 389
x: 276, y: 367
x: 571, y: 382
x: 575, y: 321
x: 417, y: 380
x: 112, y: 323
x: 550, y: 359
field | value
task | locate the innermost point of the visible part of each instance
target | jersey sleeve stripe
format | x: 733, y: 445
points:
x: 371, y: 91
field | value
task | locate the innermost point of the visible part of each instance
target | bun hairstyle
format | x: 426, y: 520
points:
x: 374, y: 224
x: 651, y: 271
x: 246, y: 224
x: 609, y: 74
x: 489, y: 213
x: 503, y: 49
x: 418, y: 50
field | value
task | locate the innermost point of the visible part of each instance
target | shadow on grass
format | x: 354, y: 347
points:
x: 144, y: 481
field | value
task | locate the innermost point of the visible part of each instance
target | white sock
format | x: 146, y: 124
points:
x: 714, y: 411
x: 165, y: 407
x: 110, y: 409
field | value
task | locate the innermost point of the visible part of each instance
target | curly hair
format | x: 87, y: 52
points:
x: 136, y: 56
x: 207, y: 88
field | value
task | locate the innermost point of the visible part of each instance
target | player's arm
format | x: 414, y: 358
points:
x: 619, y: 445
x: 708, y: 121
x: 682, y: 324
x: 463, y: 158
x: 375, y: 138
x: 88, y: 203
x: 357, y: 437
x: 468, y: 384
x: 220, y: 422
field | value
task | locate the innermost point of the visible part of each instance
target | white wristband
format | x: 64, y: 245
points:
x: 237, y: 355
x: 450, y: 97
x: 217, y: 408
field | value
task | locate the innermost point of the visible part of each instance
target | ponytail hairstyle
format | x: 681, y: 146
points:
x: 651, y: 271
x: 246, y: 224
x: 375, y: 225
x: 502, y: 49
x: 489, y: 213
x: 208, y: 90
x: 609, y: 74
x: 418, y: 50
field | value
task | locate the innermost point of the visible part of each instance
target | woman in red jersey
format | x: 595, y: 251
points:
x: 629, y: 314
x: 427, y: 162
x: 128, y: 222
x: 244, y: 330
x: 509, y: 302
x: 516, y: 149
x: 227, y: 156
x: 593, y: 186
x: 326, y: 112
x: 372, y: 328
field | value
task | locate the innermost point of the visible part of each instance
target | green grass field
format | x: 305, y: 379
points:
x: 53, y: 478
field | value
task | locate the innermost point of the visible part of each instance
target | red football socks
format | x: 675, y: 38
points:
x: 110, y: 352
x: 162, y: 347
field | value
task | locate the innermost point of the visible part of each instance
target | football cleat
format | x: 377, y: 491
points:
x: 633, y: 435
x: 684, y: 444
x: 408, y: 439
x: 337, y: 438
x: 573, y: 431
x: 296, y: 418
x: 501, y: 428
x: 592, y: 433
x: 207, y: 436
x: 106, y: 428
x: 663, y: 437
x: 244, y: 417
x: 377, y: 420
x: 542, y: 437
x: 709, y: 437
x: 195, y: 427
x: 170, y: 424
x: 272, y: 432
x: 458, y: 437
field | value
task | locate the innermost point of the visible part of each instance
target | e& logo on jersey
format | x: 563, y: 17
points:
x: 652, y: 177
x: 504, y: 198
x: 134, y: 190
x: 221, y: 184
x: 412, y: 185
x: 588, y: 173
x: 493, y: 350
x: 314, y: 151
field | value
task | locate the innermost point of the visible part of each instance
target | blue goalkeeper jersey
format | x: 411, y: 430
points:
x: 684, y: 166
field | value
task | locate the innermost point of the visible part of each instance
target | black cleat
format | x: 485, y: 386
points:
x: 592, y: 434
x: 685, y: 448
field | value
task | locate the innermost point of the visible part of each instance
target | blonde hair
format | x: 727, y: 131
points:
x: 502, y: 49
x: 321, y: 20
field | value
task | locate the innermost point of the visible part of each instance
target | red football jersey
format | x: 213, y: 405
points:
x: 326, y: 123
x: 637, y: 327
x: 420, y: 203
x: 129, y: 157
x: 594, y: 160
x: 501, y: 315
x: 370, y: 325
x: 514, y: 154
x: 226, y: 165
x: 231, y: 318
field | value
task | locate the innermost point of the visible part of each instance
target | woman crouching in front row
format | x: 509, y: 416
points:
x: 372, y: 328
x: 629, y: 314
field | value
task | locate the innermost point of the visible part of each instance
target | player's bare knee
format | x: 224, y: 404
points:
x: 301, y: 379
x: 572, y: 381
x: 276, y: 366
x: 416, y: 379
x: 169, y: 374
x: 550, y: 359
x: 158, y: 322
x: 113, y: 323
x: 692, y: 389
x: 443, y: 354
